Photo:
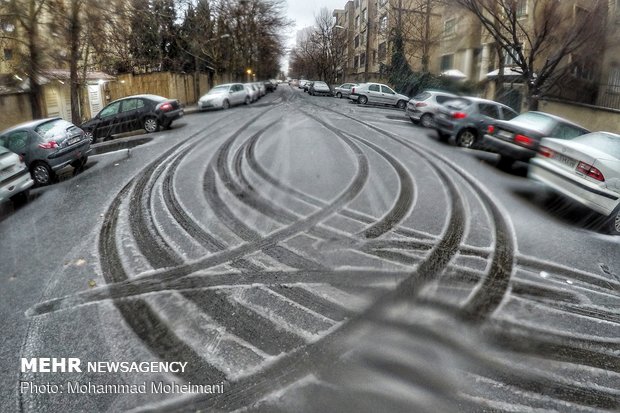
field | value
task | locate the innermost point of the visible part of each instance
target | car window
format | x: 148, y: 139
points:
x: 535, y: 120
x: 458, y: 104
x: 604, y: 142
x: 110, y: 110
x: 424, y: 96
x: 508, y: 114
x: 441, y: 98
x: 129, y: 104
x: 373, y: 88
x: 566, y: 131
x: 16, y: 141
x: 52, y: 128
x: 489, y: 110
x: 386, y: 89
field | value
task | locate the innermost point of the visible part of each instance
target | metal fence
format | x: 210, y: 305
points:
x: 609, y: 96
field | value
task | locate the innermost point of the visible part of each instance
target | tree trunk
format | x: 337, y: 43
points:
x: 74, y: 56
x: 33, y: 70
x: 532, y: 96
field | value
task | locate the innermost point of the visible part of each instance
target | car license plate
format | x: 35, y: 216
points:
x: 73, y: 140
x: 504, y: 135
x: 565, y: 160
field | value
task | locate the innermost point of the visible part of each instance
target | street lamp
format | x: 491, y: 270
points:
x: 249, y: 73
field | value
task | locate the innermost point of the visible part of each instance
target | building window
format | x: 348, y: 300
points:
x: 521, y: 8
x: 382, y: 51
x: 357, y: 21
x: 383, y: 23
x: 449, y: 27
x: 356, y: 62
x: 8, y: 54
x: 446, y: 62
x: 374, y: 57
x: 357, y: 41
x: 357, y: 4
x: 508, y: 56
x: 362, y: 59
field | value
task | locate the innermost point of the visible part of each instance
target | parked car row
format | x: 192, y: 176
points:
x: 564, y: 156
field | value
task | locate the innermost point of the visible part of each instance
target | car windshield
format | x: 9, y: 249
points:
x: 204, y: 228
x: 53, y: 129
x: 604, y: 142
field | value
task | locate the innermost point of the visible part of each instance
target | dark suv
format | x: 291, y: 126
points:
x: 148, y: 112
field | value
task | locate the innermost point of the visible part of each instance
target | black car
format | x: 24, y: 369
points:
x: 467, y: 118
x: 148, y: 112
x: 519, y: 138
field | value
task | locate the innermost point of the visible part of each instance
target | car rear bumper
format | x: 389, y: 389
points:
x: 15, y: 184
x: 507, y: 149
x: 445, y: 126
x: 59, y: 161
x: 574, y: 187
x: 172, y: 115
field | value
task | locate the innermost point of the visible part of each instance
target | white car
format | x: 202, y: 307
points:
x: 224, y: 96
x: 253, y: 91
x: 585, y: 169
x: 379, y: 94
x: 15, y: 180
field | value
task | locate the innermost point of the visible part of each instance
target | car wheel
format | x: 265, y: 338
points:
x: 466, y: 138
x: 247, y: 101
x: 401, y: 104
x: 20, y: 199
x: 89, y: 135
x: 225, y: 104
x: 427, y: 120
x: 613, y: 222
x: 42, y: 174
x: 363, y: 100
x: 339, y: 95
x: 151, y: 125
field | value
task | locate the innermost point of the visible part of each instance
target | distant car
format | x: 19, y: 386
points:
x: 519, y: 138
x: 47, y: 146
x: 253, y: 91
x: 344, y: 90
x: 302, y: 83
x: 15, y: 180
x: 262, y: 90
x: 423, y: 106
x: 224, y: 96
x: 320, y: 88
x: 379, y: 94
x: 270, y: 85
x: 585, y: 169
x: 466, y: 119
x: 148, y: 112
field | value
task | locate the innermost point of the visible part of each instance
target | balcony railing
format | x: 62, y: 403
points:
x: 609, y: 96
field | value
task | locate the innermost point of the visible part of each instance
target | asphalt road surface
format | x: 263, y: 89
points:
x: 309, y: 254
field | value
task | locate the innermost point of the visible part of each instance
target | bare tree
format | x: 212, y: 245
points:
x: 22, y: 21
x: 544, y: 42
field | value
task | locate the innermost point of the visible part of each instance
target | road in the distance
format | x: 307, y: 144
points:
x: 310, y: 253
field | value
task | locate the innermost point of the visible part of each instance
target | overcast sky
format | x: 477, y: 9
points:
x: 303, y: 12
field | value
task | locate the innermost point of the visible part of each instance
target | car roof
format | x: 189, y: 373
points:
x: 557, y: 118
x: 481, y: 100
x: 28, y: 125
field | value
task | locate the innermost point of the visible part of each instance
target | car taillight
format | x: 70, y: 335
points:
x: 165, y: 107
x: 353, y: 90
x: 21, y: 158
x: 459, y: 115
x: 524, y: 140
x: 490, y: 129
x: 48, y: 145
x: 590, y: 171
x: 420, y: 105
x: 546, y: 152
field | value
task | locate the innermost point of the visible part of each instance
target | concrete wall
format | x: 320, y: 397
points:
x: 592, y: 117
x: 14, y: 109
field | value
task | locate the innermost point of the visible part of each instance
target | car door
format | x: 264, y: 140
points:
x: 240, y: 94
x: 127, y: 118
x: 388, y: 96
x: 107, y: 119
x: 374, y: 93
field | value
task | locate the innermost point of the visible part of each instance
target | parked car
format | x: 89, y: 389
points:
x: 423, y: 106
x: 224, y: 96
x: 320, y: 88
x: 343, y: 90
x: 148, y: 112
x: 302, y: 83
x: 270, y: 85
x: 519, y: 138
x: 466, y: 119
x: 47, y: 146
x: 378, y: 94
x: 15, y: 180
x: 307, y: 85
x: 585, y: 169
x: 262, y: 90
x: 253, y: 91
